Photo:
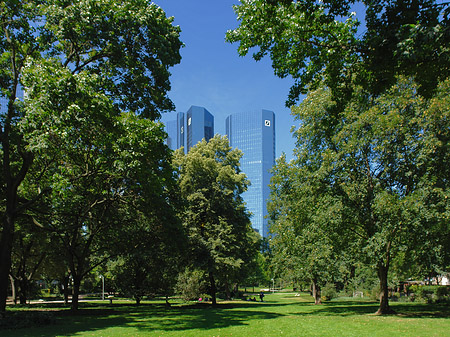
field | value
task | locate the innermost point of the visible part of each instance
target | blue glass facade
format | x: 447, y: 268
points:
x: 254, y: 134
x: 189, y: 128
x: 171, y: 129
x: 180, y: 130
x: 4, y: 100
x: 199, y: 125
x: 175, y: 131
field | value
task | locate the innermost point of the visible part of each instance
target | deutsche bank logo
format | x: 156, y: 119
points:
x: 266, y: 122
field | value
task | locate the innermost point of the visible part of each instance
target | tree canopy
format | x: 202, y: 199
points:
x: 375, y: 185
x: 217, y: 223
x: 318, y: 42
x: 80, y: 61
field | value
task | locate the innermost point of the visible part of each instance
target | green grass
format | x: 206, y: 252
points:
x: 282, y: 314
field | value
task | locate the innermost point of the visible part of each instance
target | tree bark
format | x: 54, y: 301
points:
x: 75, y: 292
x: 227, y: 291
x: 5, y: 257
x: 23, y: 290
x: 384, y: 308
x: 316, y: 292
x: 13, y: 288
x: 212, y: 282
x: 66, y: 289
x: 138, y: 298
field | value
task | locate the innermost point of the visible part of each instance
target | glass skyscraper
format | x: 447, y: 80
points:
x: 199, y: 125
x: 254, y: 134
x: 175, y: 131
x: 171, y: 129
x: 189, y: 128
x: 4, y: 100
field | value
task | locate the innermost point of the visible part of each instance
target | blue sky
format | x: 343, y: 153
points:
x: 211, y: 73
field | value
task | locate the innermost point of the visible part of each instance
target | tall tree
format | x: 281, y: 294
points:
x: 305, y: 217
x: 149, y: 249
x: 383, y: 168
x: 217, y: 223
x: 372, y: 162
x: 29, y: 254
x: 127, y: 45
x: 106, y: 159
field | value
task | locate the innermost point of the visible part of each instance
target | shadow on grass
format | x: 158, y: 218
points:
x: 147, y: 317
x: 355, y: 308
x: 156, y: 317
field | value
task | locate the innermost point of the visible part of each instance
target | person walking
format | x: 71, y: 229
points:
x: 261, y: 296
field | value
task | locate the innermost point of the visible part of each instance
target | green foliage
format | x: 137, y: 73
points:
x: 256, y: 271
x: 430, y: 294
x: 369, y: 184
x: 79, y: 146
x: 216, y: 221
x: 328, y: 292
x: 191, y: 284
x: 319, y: 42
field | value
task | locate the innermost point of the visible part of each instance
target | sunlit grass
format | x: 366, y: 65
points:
x: 282, y: 314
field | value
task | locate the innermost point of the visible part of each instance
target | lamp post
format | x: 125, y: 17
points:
x: 103, y: 287
x: 273, y: 286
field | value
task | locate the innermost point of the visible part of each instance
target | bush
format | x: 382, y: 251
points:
x: 430, y: 294
x: 329, y: 292
x: 374, y: 293
x: 191, y: 284
x: 395, y: 297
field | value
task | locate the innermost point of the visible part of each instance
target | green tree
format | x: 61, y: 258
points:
x: 217, y: 223
x: 149, y: 250
x: 107, y: 160
x: 378, y: 175
x: 28, y: 259
x: 304, y: 216
x: 256, y: 272
x: 127, y: 46
x: 318, y: 42
x: 374, y: 165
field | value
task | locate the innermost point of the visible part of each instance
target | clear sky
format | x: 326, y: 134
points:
x: 211, y: 73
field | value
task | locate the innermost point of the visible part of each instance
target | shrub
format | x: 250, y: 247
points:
x: 395, y: 297
x: 374, y: 293
x: 191, y: 284
x: 329, y: 292
x: 442, y: 293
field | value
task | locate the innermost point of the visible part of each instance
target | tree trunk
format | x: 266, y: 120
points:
x: 75, y: 292
x: 138, y: 299
x: 5, y: 257
x: 66, y: 289
x: 13, y: 288
x: 384, y: 291
x: 316, y: 292
x: 12, y: 181
x: 212, y: 282
x: 23, y: 290
x: 227, y: 291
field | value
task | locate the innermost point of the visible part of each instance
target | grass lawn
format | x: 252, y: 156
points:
x: 282, y: 314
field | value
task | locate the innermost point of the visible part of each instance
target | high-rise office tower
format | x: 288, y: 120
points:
x: 172, y: 134
x: 254, y: 134
x: 189, y: 128
x: 199, y: 125
x: 175, y: 131
x: 20, y: 94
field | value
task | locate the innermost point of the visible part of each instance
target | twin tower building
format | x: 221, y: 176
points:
x: 251, y: 132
